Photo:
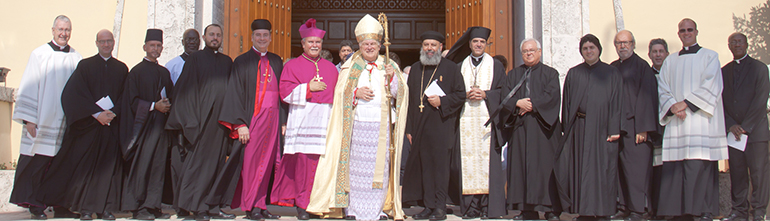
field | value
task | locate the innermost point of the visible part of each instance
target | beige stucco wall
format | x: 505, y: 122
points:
x: 659, y: 18
x: 27, y: 24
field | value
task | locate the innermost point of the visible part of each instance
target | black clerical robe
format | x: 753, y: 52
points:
x: 86, y: 174
x: 197, y: 103
x: 144, y: 141
x: 745, y: 94
x: 432, y: 178
x: 586, y: 168
x: 639, y: 114
x: 238, y: 109
x: 533, y: 138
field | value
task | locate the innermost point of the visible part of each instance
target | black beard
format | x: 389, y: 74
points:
x: 426, y: 59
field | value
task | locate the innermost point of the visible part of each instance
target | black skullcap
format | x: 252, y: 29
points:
x: 261, y: 24
x: 432, y: 35
x: 590, y: 38
x: 461, y: 49
x: 154, y: 35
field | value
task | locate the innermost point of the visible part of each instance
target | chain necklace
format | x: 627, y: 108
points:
x: 317, y: 77
x: 422, y: 82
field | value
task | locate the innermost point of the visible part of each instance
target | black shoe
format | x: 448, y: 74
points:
x: 106, y: 216
x: 619, y: 215
x: 527, y: 215
x: 383, y: 217
x: 61, y: 212
x: 471, y: 215
x: 705, y: 217
x: 182, y: 213
x: 37, y: 213
x: 254, y: 214
x: 350, y: 217
x: 143, y: 214
x: 267, y: 215
x: 634, y: 216
x: 202, y: 215
x: 551, y: 216
x: 759, y: 218
x: 85, y: 215
x: 733, y: 217
x: 302, y: 214
x: 222, y: 215
x: 425, y: 214
x: 158, y: 213
x: 437, y: 214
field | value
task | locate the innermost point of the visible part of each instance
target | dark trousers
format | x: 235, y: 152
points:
x: 750, y: 167
x: 635, y: 166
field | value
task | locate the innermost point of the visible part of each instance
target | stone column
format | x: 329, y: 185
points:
x: 564, y: 22
x: 173, y: 17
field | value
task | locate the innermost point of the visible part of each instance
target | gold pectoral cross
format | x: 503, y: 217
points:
x: 317, y: 78
x: 421, y: 107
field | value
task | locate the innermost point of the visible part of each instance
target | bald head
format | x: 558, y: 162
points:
x: 625, y: 44
x: 105, y: 42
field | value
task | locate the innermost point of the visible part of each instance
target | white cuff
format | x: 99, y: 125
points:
x: 152, y: 106
x: 95, y: 115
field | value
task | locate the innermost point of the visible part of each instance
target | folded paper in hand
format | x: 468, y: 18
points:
x: 739, y: 145
x: 434, y: 89
x: 163, y: 92
x: 105, y: 103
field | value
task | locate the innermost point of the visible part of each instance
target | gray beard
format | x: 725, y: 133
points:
x: 426, y: 59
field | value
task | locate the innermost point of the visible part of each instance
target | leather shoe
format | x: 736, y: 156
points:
x: 619, y: 215
x: 143, y: 214
x: 551, y: 216
x: 425, y: 214
x: 106, y: 216
x: 202, y: 216
x: 705, y: 217
x: 383, y: 217
x: 471, y: 215
x: 267, y: 215
x: 61, y: 212
x: 733, y: 217
x: 438, y: 214
x: 527, y: 215
x: 302, y: 214
x: 634, y: 216
x: 254, y: 215
x: 350, y: 217
x: 759, y: 218
x: 158, y: 213
x: 85, y: 215
x: 37, y: 213
x: 182, y: 213
x: 222, y: 215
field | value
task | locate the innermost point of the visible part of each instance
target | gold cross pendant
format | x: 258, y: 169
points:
x: 421, y: 107
x: 317, y: 78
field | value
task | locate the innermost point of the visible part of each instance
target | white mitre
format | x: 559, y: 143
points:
x: 368, y: 28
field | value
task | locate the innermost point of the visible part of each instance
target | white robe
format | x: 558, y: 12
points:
x: 307, y: 123
x: 474, y: 136
x: 39, y: 99
x: 174, y: 67
x: 696, y: 78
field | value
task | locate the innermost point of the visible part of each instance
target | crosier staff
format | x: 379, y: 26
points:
x: 383, y: 19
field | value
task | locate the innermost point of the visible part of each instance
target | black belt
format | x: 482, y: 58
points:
x: 581, y: 114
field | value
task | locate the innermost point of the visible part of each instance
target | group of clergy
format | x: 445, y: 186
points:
x: 329, y: 140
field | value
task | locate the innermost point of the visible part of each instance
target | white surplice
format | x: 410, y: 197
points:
x: 307, y: 123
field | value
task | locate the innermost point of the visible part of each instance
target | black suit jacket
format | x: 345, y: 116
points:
x: 745, y: 94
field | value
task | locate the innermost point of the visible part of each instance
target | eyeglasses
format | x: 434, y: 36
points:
x: 105, y: 41
x: 621, y: 43
x: 686, y: 30
x: 529, y: 51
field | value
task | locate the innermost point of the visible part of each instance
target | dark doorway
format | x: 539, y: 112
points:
x: 407, y: 20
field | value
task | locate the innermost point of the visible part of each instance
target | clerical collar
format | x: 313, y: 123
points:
x: 627, y: 59
x: 656, y: 70
x: 146, y: 59
x: 738, y: 61
x: 259, y: 52
x: 57, y: 47
x: 533, y: 66
x: 594, y: 65
x: 315, y: 59
x: 476, y: 60
x: 105, y: 58
x: 692, y: 49
x: 212, y: 50
x: 184, y: 56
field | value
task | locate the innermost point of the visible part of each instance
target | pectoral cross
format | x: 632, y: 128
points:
x: 317, y: 77
x: 421, y: 107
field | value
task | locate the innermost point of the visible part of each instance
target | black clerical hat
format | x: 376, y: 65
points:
x: 432, y: 35
x: 461, y: 48
x: 261, y: 24
x: 154, y: 35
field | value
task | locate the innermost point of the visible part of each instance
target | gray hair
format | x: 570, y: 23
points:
x: 63, y: 18
x: 530, y: 39
x: 658, y: 41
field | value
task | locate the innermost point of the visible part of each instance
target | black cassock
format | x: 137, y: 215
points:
x: 86, y: 174
x: 494, y: 203
x: 533, y: 139
x: 238, y: 108
x: 432, y: 177
x: 144, y: 141
x: 587, y: 165
x: 639, y: 114
x: 197, y: 103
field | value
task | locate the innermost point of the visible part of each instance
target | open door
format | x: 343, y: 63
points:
x: 238, y: 17
x: 493, y: 14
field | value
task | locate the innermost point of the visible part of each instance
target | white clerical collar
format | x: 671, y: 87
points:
x: 477, y: 58
x: 57, y: 45
x: 105, y: 58
x: 687, y: 48
x: 656, y: 70
x: 740, y: 59
x: 156, y: 61
x: 260, y: 53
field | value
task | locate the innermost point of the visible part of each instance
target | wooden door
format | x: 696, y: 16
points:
x: 240, y: 14
x: 493, y: 14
